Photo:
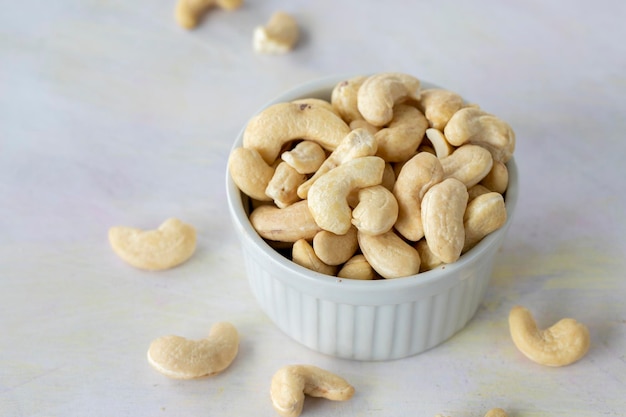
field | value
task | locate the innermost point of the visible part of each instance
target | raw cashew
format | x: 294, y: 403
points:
x: 473, y: 125
x: 476, y: 191
x: 443, y: 207
x: 316, y: 102
x: 327, y: 197
x: 335, y: 249
x: 303, y: 254
x: 344, y: 98
x: 439, y: 105
x: 306, y: 157
x: 241, y: 163
x: 376, y: 211
x: 279, y: 36
x: 363, y: 124
x: 389, y: 255
x: 280, y: 123
x: 177, y: 357
x: 418, y: 174
x: 440, y: 144
x: 496, y: 412
x: 498, y: 178
x: 288, y: 224
x: 290, y: 384
x: 389, y: 177
x: 357, y: 267
x: 189, y: 12
x: 356, y: 144
x: 562, y: 344
x: 400, y: 139
x: 379, y: 93
x: 483, y: 215
x: 283, y: 186
x: 468, y: 164
x: 428, y: 260
x: 166, y: 247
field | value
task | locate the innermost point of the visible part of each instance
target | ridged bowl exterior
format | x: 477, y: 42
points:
x: 364, y: 320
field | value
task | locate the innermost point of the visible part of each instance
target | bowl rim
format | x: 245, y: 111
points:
x: 321, y: 88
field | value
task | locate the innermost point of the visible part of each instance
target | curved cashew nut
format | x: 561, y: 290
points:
x: 473, y: 125
x: 443, y: 207
x: 316, y: 102
x: 389, y: 255
x: 288, y: 224
x: 376, y: 211
x: 477, y: 190
x: 439, y: 105
x: 400, y: 139
x: 363, y: 124
x: 562, y: 344
x: 279, y: 36
x: 496, y: 412
x: 381, y: 92
x: 498, y: 178
x: 344, y: 98
x: 335, y: 249
x: 166, y: 247
x: 284, y: 184
x: 243, y: 162
x: 357, y: 267
x: 177, y: 357
x: 483, y: 215
x: 417, y: 175
x: 306, y: 157
x: 280, y: 123
x: 328, y: 196
x: 290, y: 384
x: 303, y: 254
x: 189, y: 12
x: 468, y: 164
x: 356, y: 144
x: 440, y: 145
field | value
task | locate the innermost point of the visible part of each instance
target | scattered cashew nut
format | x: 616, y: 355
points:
x: 564, y: 343
x: 496, y: 412
x: 292, y: 382
x: 177, y: 357
x: 189, y: 12
x: 166, y: 247
x: 379, y: 93
x: 278, y: 36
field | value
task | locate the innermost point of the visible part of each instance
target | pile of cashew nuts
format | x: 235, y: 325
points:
x: 384, y: 180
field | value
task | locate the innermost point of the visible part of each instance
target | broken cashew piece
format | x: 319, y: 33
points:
x: 292, y: 382
x: 496, y: 412
x: 166, y: 247
x: 306, y: 157
x: 189, y: 12
x: 180, y: 358
x: 279, y: 36
x: 281, y: 123
x: 328, y: 196
x: 562, y: 344
x: 379, y: 93
x: 438, y: 141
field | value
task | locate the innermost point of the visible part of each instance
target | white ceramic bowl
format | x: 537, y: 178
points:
x: 364, y: 320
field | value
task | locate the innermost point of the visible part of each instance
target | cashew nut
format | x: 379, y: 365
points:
x: 303, y: 254
x: 562, y: 344
x: 379, y: 93
x: 363, y: 124
x: 280, y: 123
x: 428, y: 260
x: 317, y: 102
x: 483, y: 215
x: 400, y: 139
x: 389, y: 254
x: 290, y: 384
x: 443, y: 207
x: 468, y: 164
x: 356, y: 144
x: 306, y: 157
x: 335, y: 249
x: 344, y: 98
x: 357, y: 267
x: 283, y: 186
x: 389, y: 177
x: 166, y: 247
x: 288, y: 224
x: 417, y: 175
x: 327, y: 197
x: 496, y: 412
x: 242, y: 162
x: 279, y: 35
x: 376, y: 211
x: 476, y: 191
x: 439, y: 105
x: 189, y: 12
x: 438, y: 141
x: 177, y: 357
x: 498, y: 178
x: 473, y: 125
